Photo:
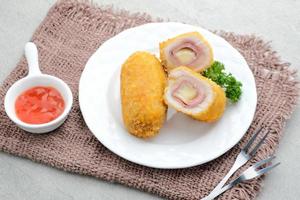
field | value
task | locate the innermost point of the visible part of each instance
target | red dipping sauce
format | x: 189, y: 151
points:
x: 39, y: 105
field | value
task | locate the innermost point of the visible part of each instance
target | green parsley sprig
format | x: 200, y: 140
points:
x: 232, y: 87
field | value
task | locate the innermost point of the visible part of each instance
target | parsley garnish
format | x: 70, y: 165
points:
x: 232, y: 87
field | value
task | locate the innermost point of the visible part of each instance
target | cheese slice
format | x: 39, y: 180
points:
x: 186, y: 92
x: 185, y: 55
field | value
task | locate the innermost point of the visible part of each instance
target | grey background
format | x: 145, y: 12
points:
x: 276, y: 21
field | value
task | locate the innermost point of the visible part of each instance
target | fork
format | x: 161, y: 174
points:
x: 244, y: 156
x: 250, y: 173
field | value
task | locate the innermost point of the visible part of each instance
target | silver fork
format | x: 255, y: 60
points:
x: 241, y: 159
x: 250, y: 173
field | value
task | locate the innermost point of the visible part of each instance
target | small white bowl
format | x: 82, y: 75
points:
x: 36, y: 78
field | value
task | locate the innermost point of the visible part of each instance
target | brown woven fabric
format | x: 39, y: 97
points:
x: 67, y: 37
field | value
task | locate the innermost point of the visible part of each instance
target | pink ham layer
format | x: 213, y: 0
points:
x: 187, y: 45
x: 200, y: 94
x: 192, y: 44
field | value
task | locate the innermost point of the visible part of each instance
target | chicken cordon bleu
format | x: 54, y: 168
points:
x: 190, y: 49
x: 143, y: 81
x: 195, y: 95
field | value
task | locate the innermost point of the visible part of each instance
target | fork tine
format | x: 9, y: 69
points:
x: 252, y: 153
x: 260, y: 163
x: 265, y: 170
x: 252, y: 139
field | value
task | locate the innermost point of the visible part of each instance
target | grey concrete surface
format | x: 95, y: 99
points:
x: 276, y: 21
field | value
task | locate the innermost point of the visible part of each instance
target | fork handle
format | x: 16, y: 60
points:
x: 240, y: 161
x: 223, y: 189
x: 233, y: 169
x: 216, y: 191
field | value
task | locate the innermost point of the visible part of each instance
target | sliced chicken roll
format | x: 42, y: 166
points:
x: 189, y: 49
x: 195, y: 95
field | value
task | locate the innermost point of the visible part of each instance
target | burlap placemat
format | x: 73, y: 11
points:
x: 67, y: 37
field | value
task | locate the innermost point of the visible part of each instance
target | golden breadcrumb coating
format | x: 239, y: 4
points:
x: 142, y: 86
x: 169, y: 66
x: 216, y: 107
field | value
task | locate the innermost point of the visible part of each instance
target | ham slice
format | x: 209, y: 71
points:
x: 187, y: 92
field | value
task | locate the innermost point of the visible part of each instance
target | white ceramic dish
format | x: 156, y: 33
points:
x: 36, y: 78
x: 182, y: 142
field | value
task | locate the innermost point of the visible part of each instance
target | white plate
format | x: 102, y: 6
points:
x: 182, y: 142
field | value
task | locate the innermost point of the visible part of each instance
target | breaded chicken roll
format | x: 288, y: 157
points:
x: 190, y: 49
x: 142, y: 87
x: 195, y: 95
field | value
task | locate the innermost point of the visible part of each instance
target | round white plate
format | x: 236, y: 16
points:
x: 182, y: 142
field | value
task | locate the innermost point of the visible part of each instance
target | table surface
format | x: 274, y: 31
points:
x: 276, y: 21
